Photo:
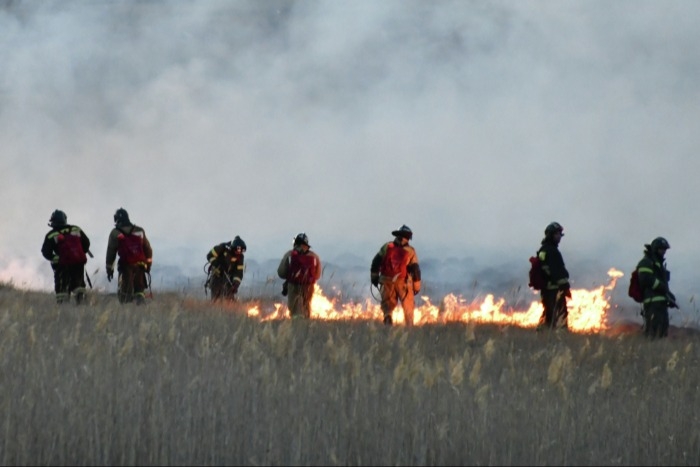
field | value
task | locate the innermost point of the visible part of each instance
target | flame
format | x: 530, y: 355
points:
x: 587, y: 310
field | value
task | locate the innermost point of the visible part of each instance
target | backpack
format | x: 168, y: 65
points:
x: 70, y: 248
x: 394, y: 262
x: 537, y: 279
x: 131, y: 247
x: 302, y: 268
x: 635, y: 290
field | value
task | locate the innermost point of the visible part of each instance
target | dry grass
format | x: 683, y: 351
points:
x: 184, y: 382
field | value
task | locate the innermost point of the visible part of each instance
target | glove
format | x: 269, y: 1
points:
x: 416, y: 292
x: 234, y: 287
x: 565, y: 290
x: 148, y: 266
x: 284, y: 289
x: 375, y: 281
x: 110, y: 274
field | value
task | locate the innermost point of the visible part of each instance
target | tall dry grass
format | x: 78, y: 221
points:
x: 184, y: 382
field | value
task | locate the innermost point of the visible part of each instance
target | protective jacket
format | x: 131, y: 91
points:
x: 653, y: 277
x: 116, y: 242
x: 299, y: 267
x: 553, y: 265
x: 396, y: 262
x: 225, y: 259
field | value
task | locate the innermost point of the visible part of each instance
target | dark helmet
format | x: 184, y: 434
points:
x: 301, y: 239
x: 238, y: 242
x: 121, y: 217
x: 403, y: 232
x: 659, y: 242
x: 58, y: 218
x: 552, y: 228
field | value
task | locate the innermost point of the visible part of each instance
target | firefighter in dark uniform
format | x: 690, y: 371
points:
x: 226, y: 267
x: 653, y: 280
x: 66, y: 247
x: 557, y: 288
x: 129, y: 241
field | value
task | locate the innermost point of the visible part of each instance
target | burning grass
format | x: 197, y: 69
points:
x: 181, y: 381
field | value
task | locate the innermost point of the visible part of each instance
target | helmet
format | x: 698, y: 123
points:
x: 58, y: 218
x: 302, y: 239
x: 238, y: 242
x: 660, y: 242
x: 552, y: 228
x: 121, y: 217
x: 403, y: 232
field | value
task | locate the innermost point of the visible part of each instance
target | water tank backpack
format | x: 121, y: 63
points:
x: 394, y: 262
x: 537, y: 279
x: 302, y: 268
x: 70, y: 247
x: 130, y: 246
x: 635, y: 290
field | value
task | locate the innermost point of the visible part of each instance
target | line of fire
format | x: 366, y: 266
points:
x: 587, y: 310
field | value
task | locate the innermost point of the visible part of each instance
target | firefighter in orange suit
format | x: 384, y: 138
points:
x: 396, y: 272
x: 300, y: 268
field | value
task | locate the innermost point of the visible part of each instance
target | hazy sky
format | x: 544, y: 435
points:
x: 476, y: 123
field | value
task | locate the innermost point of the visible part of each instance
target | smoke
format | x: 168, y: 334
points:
x: 474, y: 123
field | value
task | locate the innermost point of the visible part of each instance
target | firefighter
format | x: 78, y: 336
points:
x: 557, y: 288
x: 396, y: 273
x: 129, y: 241
x: 226, y: 266
x: 656, y: 296
x: 300, y: 268
x: 66, y: 246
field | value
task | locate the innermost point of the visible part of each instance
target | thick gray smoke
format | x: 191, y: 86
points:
x: 475, y: 123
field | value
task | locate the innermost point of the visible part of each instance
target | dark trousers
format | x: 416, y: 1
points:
x: 555, y: 312
x: 223, y: 285
x: 656, y: 319
x: 68, y: 280
x: 132, y: 283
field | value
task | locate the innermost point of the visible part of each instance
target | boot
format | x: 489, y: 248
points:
x: 387, y: 320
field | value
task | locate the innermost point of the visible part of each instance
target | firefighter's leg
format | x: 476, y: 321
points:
x: 77, y: 285
x: 294, y: 301
x: 126, y: 284
x: 549, y: 298
x: 389, y: 301
x: 561, y: 313
x: 60, y: 281
x: 405, y: 294
x: 664, y: 324
x: 307, y: 293
x: 139, y: 280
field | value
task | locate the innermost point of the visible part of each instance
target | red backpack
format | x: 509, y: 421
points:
x: 70, y: 248
x: 130, y: 247
x: 394, y: 262
x: 302, y: 268
x: 635, y: 290
x: 537, y: 278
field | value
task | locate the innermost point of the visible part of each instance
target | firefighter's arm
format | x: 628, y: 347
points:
x: 238, y: 267
x: 283, y: 268
x: 319, y: 268
x: 374, y: 269
x: 414, y: 271
x: 147, y: 251
x: 47, y: 249
x: 112, y: 245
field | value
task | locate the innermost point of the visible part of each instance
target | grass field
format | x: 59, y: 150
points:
x: 181, y: 381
